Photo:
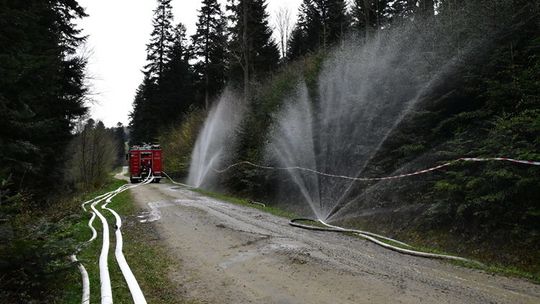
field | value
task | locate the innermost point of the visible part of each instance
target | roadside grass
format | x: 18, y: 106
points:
x: 147, y: 258
x: 488, y: 265
x: 492, y: 268
x: 89, y: 254
x: 313, y: 223
x: 508, y: 271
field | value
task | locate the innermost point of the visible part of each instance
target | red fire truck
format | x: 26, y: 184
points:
x: 143, y: 160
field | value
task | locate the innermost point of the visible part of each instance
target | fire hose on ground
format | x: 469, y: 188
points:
x: 105, y: 282
x: 138, y: 297
x: 372, y: 237
x: 191, y: 187
x: 375, y: 239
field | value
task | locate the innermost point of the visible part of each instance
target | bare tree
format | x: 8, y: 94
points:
x: 91, y: 155
x: 284, y: 26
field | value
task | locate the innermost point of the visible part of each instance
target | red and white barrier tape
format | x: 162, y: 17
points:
x: 464, y: 159
x: 527, y: 162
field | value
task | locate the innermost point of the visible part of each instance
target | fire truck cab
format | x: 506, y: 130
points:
x: 143, y: 160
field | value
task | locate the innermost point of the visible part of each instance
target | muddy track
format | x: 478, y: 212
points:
x: 234, y: 254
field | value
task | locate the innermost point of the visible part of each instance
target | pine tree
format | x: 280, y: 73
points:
x: 42, y: 88
x: 400, y: 10
x: 297, y: 45
x: 426, y: 8
x: 160, y: 103
x: 42, y: 93
x: 145, y: 117
x: 372, y: 15
x: 176, y: 90
x: 161, y: 41
x: 337, y: 21
x: 321, y: 23
x: 369, y: 15
x: 209, y: 45
x: 300, y: 43
x: 310, y: 20
x: 141, y: 120
x: 157, y: 100
x: 252, y: 48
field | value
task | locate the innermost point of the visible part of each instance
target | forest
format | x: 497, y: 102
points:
x: 51, y: 148
x: 486, y: 104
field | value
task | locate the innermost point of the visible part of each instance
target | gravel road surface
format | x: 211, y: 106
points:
x: 235, y: 254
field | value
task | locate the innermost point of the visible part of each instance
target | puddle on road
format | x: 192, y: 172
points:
x: 240, y: 257
x: 154, y: 214
x: 245, y: 255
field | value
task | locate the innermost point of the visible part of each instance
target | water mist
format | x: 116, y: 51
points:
x: 215, y: 143
x: 364, y: 91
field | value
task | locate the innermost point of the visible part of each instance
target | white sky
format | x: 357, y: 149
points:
x: 118, y: 32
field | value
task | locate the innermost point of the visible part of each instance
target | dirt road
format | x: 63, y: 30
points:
x: 234, y: 254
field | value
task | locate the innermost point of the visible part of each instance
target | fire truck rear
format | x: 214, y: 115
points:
x: 145, y: 160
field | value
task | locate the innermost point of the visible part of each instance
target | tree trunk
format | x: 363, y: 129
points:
x: 427, y: 8
x: 367, y: 19
x: 245, y: 49
x: 206, y: 60
x: 83, y: 170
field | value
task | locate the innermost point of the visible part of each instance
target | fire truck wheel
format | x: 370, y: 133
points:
x: 133, y: 181
x: 156, y: 180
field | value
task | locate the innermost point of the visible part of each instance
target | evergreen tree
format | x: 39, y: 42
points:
x: 41, y: 88
x: 161, y: 41
x: 336, y: 21
x: 321, y: 23
x: 297, y: 46
x: 167, y: 89
x: 426, y: 8
x: 304, y: 36
x: 400, y: 9
x: 160, y: 103
x: 253, y: 50
x: 143, y: 119
x: 42, y: 93
x: 176, y: 90
x: 209, y: 46
x: 310, y: 20
x: 371, y: 15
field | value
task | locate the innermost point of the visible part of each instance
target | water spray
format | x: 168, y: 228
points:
x: 352, y: 178
x: 216, y: 140
x: 377, y: 238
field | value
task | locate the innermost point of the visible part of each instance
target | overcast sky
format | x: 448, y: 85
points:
x: 118, y: 32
